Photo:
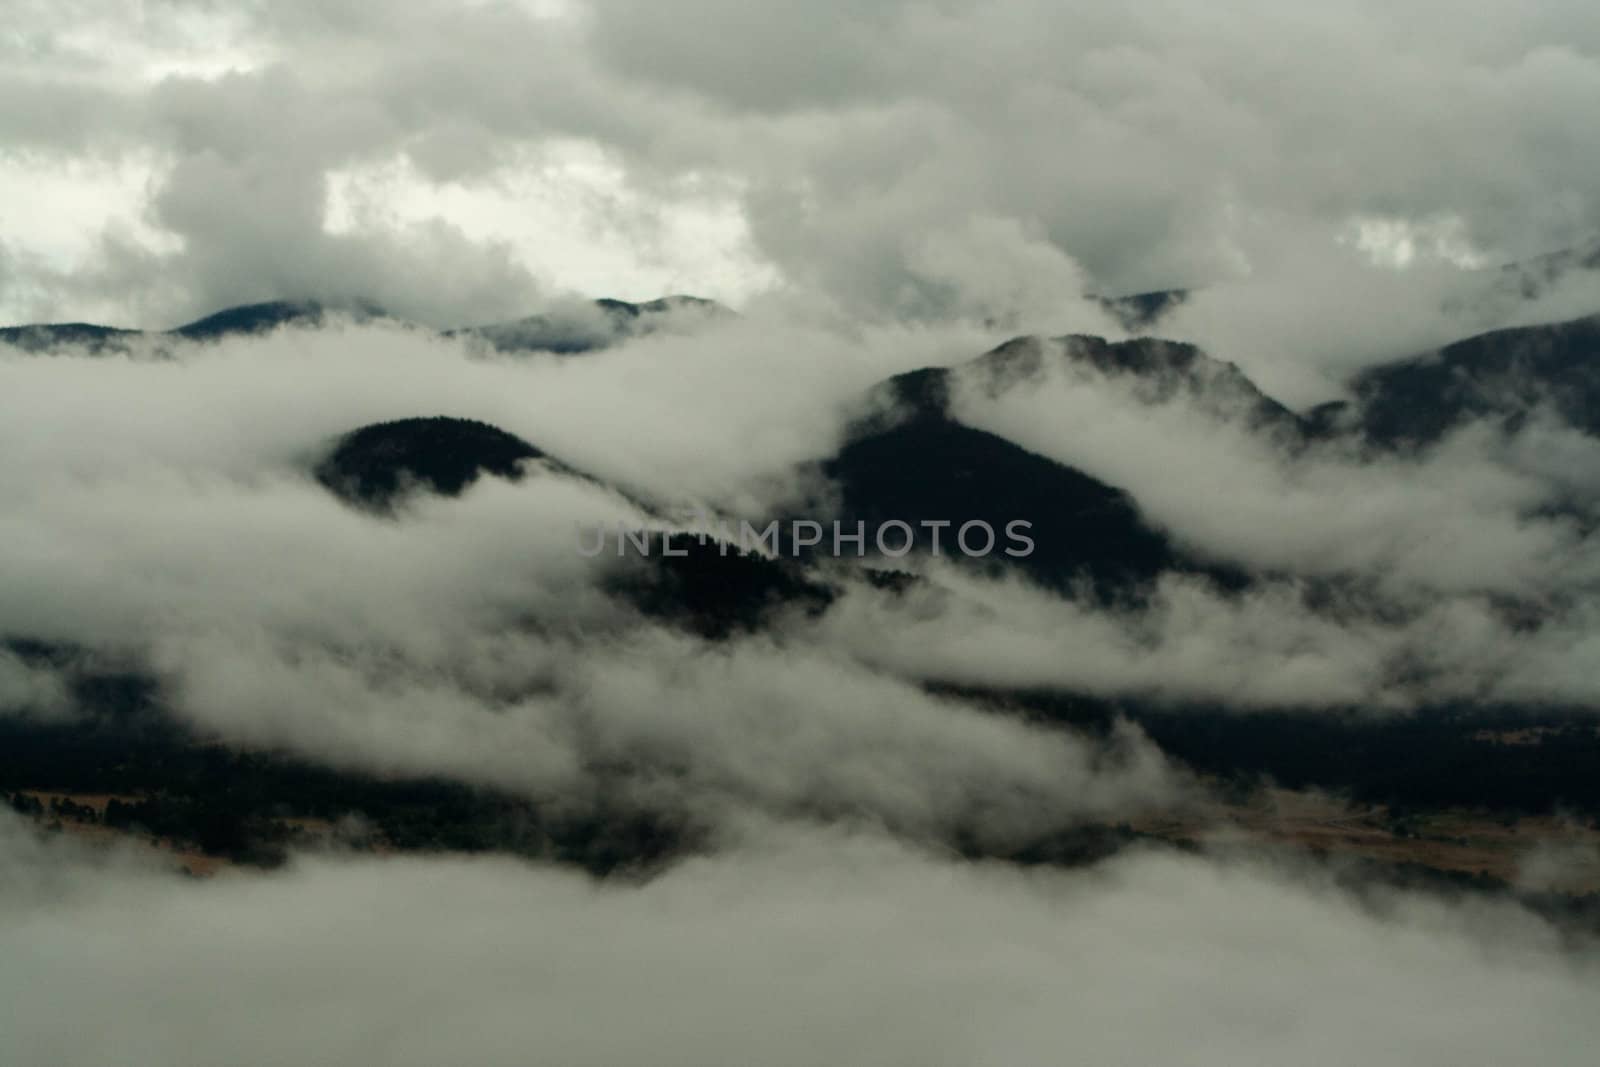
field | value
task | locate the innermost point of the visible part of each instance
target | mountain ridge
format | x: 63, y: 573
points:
x: 596, y: 324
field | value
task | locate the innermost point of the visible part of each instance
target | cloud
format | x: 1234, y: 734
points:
x: 801, y: 948
x: 1279, y: 646
x: 859, y: 146
x: 29, y: 689
x: 162, y: 507
x: 883, y: 187
x: 1311, y: 313
x: 1471, y: 516
x: 1155, y: 149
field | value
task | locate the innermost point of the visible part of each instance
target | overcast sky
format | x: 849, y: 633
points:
x: 457, y: 161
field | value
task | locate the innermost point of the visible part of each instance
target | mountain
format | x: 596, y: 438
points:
x: 377, y: 465
x: 253, y: 319
x: 45, y: 336
x: 918, y: 464
x: 595, y: 325
x: 913, y: 460
x: 1503, y: 375
x: 705, y: 586
x: 1158, y: 371
x: 626, y: 312
x: 244, y: 320
x: 583, y: 327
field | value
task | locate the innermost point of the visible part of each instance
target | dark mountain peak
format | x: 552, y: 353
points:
x: 246, y: 319
x: 931, y: 468
x: 261, y: 318
x: 1024, y: 358
x: 1503, y: 374
x: 1021, y: 359
x: 910, y: 460
x: 1160, y: 372
x: 43, y: 337
x: 251, y: 319
x: 660, y: 306
x: 1139, y: 356
x: 375, y: 466
x: 579, y: 327
x: 588, y: 327
x: 915, y: 394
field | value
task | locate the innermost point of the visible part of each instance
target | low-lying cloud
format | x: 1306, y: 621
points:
x: 793, y: 948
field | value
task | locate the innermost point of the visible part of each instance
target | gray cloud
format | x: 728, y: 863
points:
x: 801, y: 948
x: 174, y: 489
x: 863, y: 145
x: 1265, y: 649
x: 470, y: 638
x: 1467, y: 516
x: 914, y: 182
x: 1156, y: 147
